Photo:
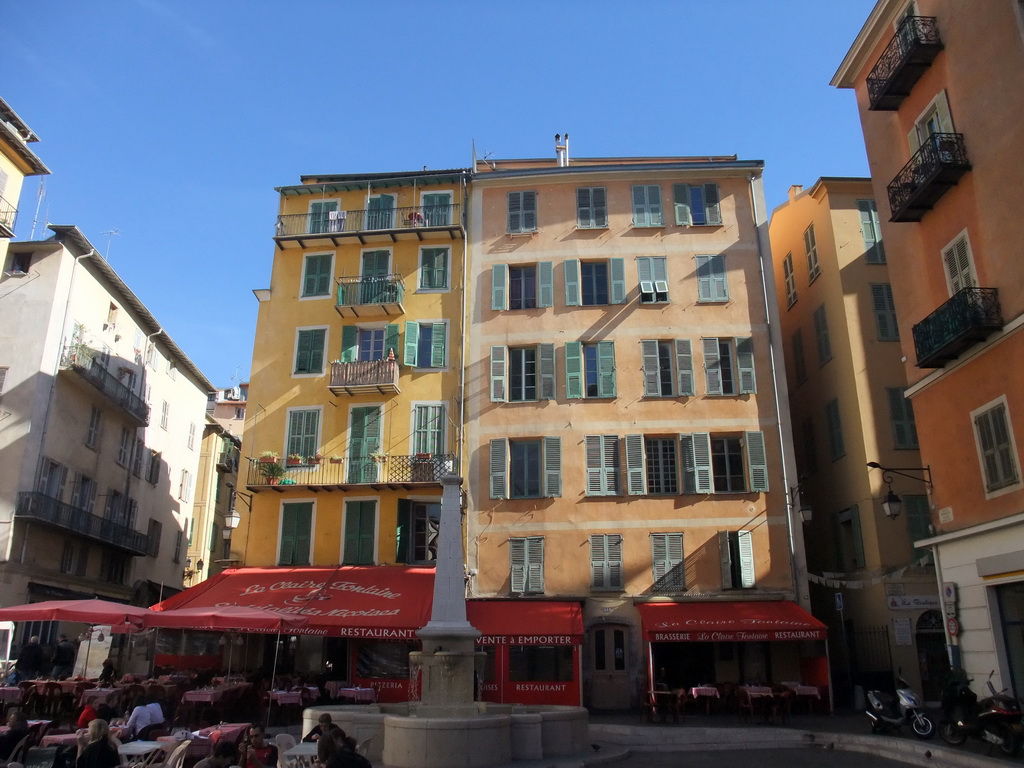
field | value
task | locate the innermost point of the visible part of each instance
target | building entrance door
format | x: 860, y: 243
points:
x: 609, y: 672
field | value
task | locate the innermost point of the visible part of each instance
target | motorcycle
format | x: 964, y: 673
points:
x: 890, y: 713
x: 996, y: 719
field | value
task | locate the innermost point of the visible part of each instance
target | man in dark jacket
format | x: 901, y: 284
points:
x: 64, y: 658
x: 30, y: 660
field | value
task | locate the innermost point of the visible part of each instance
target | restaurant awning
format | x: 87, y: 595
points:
x: 729, y: 621
x: 381, y: 602
x: 512, y: 622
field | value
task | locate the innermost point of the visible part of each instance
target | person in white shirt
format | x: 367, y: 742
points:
x: 147, y: 714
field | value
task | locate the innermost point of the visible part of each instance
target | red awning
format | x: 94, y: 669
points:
x: 516, y: 622
x: 728, y: 621
x: 389, y: 602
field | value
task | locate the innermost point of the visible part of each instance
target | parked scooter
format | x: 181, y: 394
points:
x: 995, y: 719
x: 890, y: 713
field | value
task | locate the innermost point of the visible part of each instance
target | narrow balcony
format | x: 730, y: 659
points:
x: 8, y: 216
x: 227, y: 461
x: 910, y: 52
x: 970, y: 316
x: 370, y: 296
x: 40, y: 508
x: 934, y: 168
x: 85, y: 362
x: 378, y: 471
x: 365, y: 377
x: 372, y: 225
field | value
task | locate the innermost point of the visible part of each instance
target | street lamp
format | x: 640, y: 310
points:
x: 804, y: 510
x: 893, y: 504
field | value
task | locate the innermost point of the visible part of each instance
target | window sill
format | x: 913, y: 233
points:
x: 528, y: 233
x: 433, y: 290
x: 605, y: 226
x: 654, y: 303
x: 648, y: 226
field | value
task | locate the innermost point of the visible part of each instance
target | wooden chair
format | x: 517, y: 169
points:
x: 22, y: 747
x: 744, y: 705
x: 52, y: 699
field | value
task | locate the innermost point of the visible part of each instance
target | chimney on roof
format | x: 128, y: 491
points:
x: 795, y: 190
x: 562, y: 150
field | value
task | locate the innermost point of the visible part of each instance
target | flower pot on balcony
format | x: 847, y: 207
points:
x: 268, y: 460
x: 273, y: 480
x: 336, y: 460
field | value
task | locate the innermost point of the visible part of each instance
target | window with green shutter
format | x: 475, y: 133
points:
x: 729, y: 366
x: 727, y: 465
x: 871, y: 231
x: 303, y: 431
x: 320, y: 218
x: 712, y: 284
x: 599, y: 369
x: 526, y: 469
x: 885, y: 312
x: 591, y: 208
x: 602, y: 457
x: 995, y: 444
x: 425, y: 345
x: 757, y: 461
x: 821, y: 335
x: 668, y: 568
x: 360, y: 532
x: 296, y: 533
x: 526, y: 565
x: 647, y: 206
x: 696, y: 205
x: 434, y: 265
x: 698, y: 475
x: 652, y: 274
x: 606, y: 561
x: 417, y: 531
x: 811, y: 249
x: 736, y: 550
x: 363, y: 443
x: 316, y: 278
x: 836, y: 445
x: 428, y: 428
x: 901, y: 416
x: 499, y: 287
x: 309, y: 351
x: 522, y: 212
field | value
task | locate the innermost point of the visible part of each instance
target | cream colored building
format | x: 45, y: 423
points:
x: 103, y: 418
x: 846, y: 390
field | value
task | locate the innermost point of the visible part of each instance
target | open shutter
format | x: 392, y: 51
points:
x: 499, y: 469
x: 712, y: 210
x: 545, y: 284
x: 499, y: 286
x: 681, y: 198
x: 598, y: 561
x: 645, y: 276
x: 391, y: 340
x: 684, y: 367
x: 725, y: 556
x: 757, y: 461
x: 636, y: 478
x: 702, y: 462
x: 437, y: 344
x: 745, y: 364
x: 403, y: 532
x: 689, y: 467
x: 617, y: 270
x: 546, y: 355
x: 652, y: 368
x: 552, y: 466
x: 712, y: 366
x: 572, y: 282
x: 746, y: 548
x: 517, y: 565
x: 499, y: 366
x: 412, y: 344
x: 858, y: 538
x: 659, y: 268
x: 606, y: 369
x: 573, y: 370
x: 349, y: 343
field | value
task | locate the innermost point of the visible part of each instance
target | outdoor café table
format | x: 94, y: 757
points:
x: 99, y: 695
x: 10, y: 694
x: 286, y: 697
x: 33, y: 725
x: 332, y: 687
x: 70, y: 739
x: 358, y: 695
x: 806, y: 692
x: 707, y: 692
x: 301, y: 755
x: 198, y: 748
x: 136, y: 751
x: 228, y: 731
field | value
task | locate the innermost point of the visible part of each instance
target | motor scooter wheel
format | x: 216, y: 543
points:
x: 1010, y: 740
x: 924, y: 727
x: 953, y: 734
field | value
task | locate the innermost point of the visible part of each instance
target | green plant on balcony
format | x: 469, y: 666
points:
x: 294, y: 459
x: 272, y: 472
x: 378, y: 457
x: 336, y: 459
x: 269, y: 457
x: 316, y: 458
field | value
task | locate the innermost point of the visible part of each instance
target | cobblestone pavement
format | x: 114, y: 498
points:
x: 766, y: 758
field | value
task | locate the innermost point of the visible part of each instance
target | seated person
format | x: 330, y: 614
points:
x: 256, y: 751
x: 108, y: 674
x: 95, y: 747
x: 89, y: 714
x: 142, y: 719
x: 17, y: 725
x: 346, y: 756
x: 225, y: 754
x: 324, y: 725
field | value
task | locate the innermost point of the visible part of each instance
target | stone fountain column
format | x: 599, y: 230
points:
x: 448, y: 659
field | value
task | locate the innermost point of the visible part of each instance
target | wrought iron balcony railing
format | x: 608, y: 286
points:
x: 227, y: 461
x: 365, y: 377
x: 934, y: 168
x: 370, y: 296
x: 340, y: 223
x: 910, y: 52
x: 970, y: 316
x: 85, y: 362
x: 40, y: 508
x: 377, y: 470
x: 8, y: 215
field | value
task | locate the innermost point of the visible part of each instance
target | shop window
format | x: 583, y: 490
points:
x: 544, y: 663
x: 377, y: 660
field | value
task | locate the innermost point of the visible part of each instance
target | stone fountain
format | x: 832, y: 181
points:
x: 447, y: 728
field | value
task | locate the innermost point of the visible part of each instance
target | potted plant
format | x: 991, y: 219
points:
x: 378, y: 457
x: 272, y: 473
x: 269, y: 457
x: 316, y: 458
x: 295, y: 459
x: 336, y: 459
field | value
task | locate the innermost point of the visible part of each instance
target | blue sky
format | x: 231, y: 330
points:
x: 171, y: 121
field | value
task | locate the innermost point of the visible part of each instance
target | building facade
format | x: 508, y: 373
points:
x: 626, y: 446
x: 846, y: 390
x: 227, y: 407
x: 101, y: 439
x: 944, y: 143
x: 17, y: 161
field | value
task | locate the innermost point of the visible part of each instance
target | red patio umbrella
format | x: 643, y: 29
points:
x: 93, y: 612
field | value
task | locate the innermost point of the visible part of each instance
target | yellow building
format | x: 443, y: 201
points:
x: 846, y: 389
x: 936, y: 85
x: 17, y: 160
x: 626, y: 447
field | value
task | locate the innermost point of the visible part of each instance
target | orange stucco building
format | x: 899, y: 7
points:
x: 936, y: 83
x: 626, y: 443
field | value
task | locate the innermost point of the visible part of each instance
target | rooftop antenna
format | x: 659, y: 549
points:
x: 110, y: 233
x: 562, y: 150
x: 40, y: 195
